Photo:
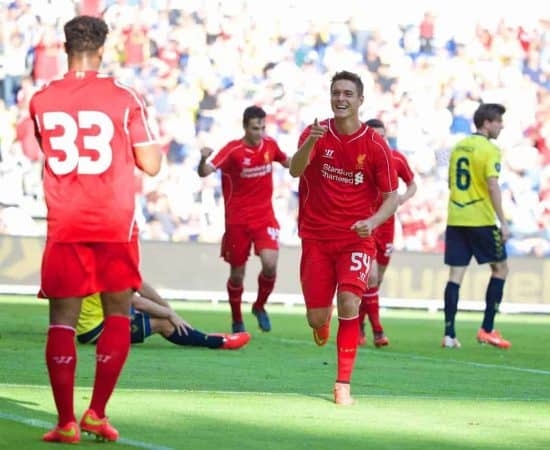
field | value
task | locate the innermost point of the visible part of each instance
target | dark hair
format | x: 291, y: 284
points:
x: 375, y: 123
x: 350, y: 76
x: 488, y: 111
x: 252, y: 112
x: 85, y: 34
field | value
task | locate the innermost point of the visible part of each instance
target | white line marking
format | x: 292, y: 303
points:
x: 297, y: 394
x: 429, y: 358
x: 47, y: 425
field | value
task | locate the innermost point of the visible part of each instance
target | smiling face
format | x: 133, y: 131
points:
x: 345, y: 99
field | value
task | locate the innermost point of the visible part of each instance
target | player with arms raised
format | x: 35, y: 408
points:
x: 93, y: 132
x: 343, y: 166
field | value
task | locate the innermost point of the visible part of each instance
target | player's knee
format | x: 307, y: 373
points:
x: 317, y: 319
x: 500, y: 270
x: 269, y: 271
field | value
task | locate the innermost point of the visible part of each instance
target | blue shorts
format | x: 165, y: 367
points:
x: 140, y: 324
x: 484, y: 243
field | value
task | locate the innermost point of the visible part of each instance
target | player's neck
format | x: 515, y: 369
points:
x: 84, y: 62
x: 250, y: 143
x: 347, y: 125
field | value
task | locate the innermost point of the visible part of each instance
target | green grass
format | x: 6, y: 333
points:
x: 276, y: 392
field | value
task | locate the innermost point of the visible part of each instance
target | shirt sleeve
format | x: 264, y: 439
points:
x: 137, y: 123
x: 279, y: 156
x: 221, y: 159
x: 492, y: 168
x: 385, y: 175
x: 402, y: 167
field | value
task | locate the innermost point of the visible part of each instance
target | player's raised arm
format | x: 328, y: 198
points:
x: 300, y: 160
x: 205, y: 169
x: 148, y: 158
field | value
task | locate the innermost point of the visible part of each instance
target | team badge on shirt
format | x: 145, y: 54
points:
x: 360, y: 161
x: 266, y: 158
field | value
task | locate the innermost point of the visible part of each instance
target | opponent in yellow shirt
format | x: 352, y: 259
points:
x: 475, y: 204
x: 473, y: 160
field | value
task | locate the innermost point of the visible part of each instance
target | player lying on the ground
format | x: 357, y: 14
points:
x: 151, y: 314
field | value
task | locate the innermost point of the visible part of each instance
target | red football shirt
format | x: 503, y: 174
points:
x: 247, y: 180
x: 404, y: 172
x: 88, y: 124
x: 342, y: 182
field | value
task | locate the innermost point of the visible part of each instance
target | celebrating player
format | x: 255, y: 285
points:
x: 247, y: 183
x: 474, y: 205
x: 343, y: 167
x: 93, y: 131
x: 383, y: 237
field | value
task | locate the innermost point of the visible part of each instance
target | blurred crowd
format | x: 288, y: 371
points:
x: 199, y: 63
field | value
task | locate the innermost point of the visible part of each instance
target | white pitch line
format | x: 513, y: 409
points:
x: 430, y: 358
x: 295, y: 394
x: 48, y: 425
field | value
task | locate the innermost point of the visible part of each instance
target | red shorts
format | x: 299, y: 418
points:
x: 327, y: 265
x: 80, y: 269
x: 383, y: 236
x: 237, y: 241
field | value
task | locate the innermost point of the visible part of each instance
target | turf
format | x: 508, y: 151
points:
x: 276, y: 392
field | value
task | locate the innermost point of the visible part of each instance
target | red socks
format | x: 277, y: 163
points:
x: 61, y: 362
x: 265, y: 287
x: 235, y: 293
x: 111, y: 352
x: 346, y: 344
x: 371, y: 307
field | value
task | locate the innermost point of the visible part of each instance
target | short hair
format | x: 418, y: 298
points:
x: 252, y: 112
x: 375, y: 123
x: 350, y: 76
x: 488, y: 111
x: 85, y: 34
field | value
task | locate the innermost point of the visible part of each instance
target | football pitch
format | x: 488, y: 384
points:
x: 276, y: 392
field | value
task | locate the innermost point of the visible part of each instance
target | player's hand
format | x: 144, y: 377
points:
x: 363, y: 228
x: 181, y: 325
x: 316, y: 131
x: 504, y: 231
x: 206, y: 152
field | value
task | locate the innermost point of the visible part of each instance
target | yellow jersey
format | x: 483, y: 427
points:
x: 91, y: 314
x: 473, y: 160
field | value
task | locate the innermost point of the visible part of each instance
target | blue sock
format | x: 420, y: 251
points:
x: 451, y: 306
x: 196, y: 339
x: 493, y: 298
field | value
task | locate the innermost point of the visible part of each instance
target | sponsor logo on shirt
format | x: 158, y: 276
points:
x: 257, y: 171
x: 246, y: 161
x: 341, y: 175
x: 328, y: 153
